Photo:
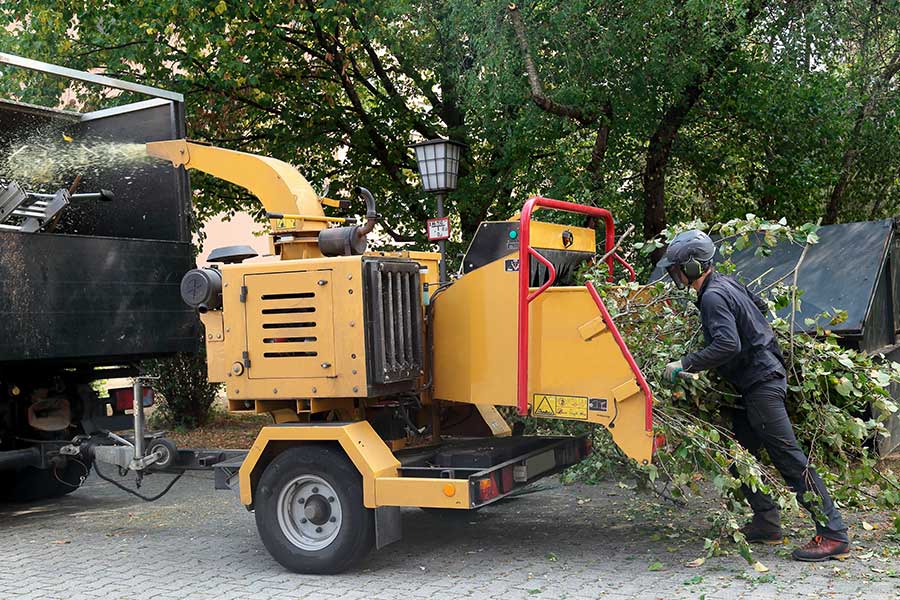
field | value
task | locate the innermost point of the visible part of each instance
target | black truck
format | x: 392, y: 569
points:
x: 89, y: 274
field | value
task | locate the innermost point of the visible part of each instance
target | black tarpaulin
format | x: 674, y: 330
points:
x: 840, y: 272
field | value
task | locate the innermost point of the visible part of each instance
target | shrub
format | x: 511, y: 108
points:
x: 186, y: 393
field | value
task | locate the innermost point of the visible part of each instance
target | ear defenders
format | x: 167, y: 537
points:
x: 692, y: 268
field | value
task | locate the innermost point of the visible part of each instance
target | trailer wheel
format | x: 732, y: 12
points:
x: 310, y: 513
x: 167, y: 451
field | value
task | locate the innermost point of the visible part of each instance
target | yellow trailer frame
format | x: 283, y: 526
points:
x: 376, y: 463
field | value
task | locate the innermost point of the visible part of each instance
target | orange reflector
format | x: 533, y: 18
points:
x: 449, y: 490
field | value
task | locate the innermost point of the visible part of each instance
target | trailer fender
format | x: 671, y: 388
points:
x: 365, y: 449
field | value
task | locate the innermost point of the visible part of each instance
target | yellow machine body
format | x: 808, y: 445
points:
x: 576, y: 369
x: 295, y: 337
x: 291, y: 333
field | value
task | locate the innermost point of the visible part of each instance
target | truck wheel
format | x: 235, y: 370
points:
x: 310, y: 513
x: 31, y: 484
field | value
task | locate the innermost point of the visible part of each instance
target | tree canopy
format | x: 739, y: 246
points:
x: 662, y: 111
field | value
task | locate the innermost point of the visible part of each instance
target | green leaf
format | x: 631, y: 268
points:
x: 844, y: 387
x: 839, y: 317
x: 846, y: 362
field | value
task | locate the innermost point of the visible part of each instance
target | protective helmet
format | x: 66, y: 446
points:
x: 691, y: 253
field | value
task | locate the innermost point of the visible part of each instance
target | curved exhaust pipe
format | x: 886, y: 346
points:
x: 371, y: 212
x: 350, y: 241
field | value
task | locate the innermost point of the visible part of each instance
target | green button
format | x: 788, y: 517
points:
x: 513, y: 234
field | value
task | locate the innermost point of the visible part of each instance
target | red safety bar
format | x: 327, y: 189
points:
x: 525, y: 296
x: 642, y: 383
x: 631, y: 274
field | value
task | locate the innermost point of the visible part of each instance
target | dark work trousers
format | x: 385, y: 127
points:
x: 765, y: 424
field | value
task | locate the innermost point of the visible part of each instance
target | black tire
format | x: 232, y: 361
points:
x: 354, y: 533
x: 31, y: 484
x: 168, y: 450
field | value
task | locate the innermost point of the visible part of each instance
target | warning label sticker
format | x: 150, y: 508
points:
x: 559, y: 407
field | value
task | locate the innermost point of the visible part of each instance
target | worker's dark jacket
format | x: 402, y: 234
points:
x: 740, y: 343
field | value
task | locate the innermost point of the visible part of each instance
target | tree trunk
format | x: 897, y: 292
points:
x: 848, y: 161
x: 658, y: 152
x: 660, y: 147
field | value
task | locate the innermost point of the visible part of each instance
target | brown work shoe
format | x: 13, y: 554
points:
x: 764, y: 528
x: 822, y: 548
x: 755, y: 534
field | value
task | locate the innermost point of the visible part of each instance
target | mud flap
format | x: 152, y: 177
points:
x: 388, y: 526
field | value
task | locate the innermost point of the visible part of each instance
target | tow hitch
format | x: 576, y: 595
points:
x: 145, y: 451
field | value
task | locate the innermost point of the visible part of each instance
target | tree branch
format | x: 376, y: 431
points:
x: 601, y: 143
x: 97, y: 48
x: 397, y: 237
x: 615, y: 248
x: 393, y: 94
x: 534, y: 81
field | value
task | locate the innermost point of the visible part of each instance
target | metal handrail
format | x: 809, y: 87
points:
x: 526, y: 296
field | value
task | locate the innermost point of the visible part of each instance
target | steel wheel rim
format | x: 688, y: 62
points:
x: 309, y: 512
x: 165, y: 456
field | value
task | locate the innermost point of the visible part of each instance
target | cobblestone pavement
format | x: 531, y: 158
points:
x: 574, y: 542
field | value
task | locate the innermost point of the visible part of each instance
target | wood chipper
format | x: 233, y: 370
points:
x: 385, y: 382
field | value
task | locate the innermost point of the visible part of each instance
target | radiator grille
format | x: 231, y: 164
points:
x: 394, y: 315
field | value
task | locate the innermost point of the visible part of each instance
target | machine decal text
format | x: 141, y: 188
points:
x: 599, y: 404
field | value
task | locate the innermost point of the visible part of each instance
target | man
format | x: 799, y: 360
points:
x: 742, y: 348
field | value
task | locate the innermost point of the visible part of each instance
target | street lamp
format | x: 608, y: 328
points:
x: 439, y: 168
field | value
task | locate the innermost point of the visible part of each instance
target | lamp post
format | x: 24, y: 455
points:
x: 438, y: 162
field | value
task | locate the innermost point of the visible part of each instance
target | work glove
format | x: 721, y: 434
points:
x: 672, y: 371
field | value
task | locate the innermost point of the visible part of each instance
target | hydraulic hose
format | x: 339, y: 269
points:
x: 136, y: 493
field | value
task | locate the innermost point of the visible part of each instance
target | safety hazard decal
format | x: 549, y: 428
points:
x: 559, y: 407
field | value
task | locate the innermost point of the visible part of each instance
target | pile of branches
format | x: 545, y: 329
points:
x: 838, y: 399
